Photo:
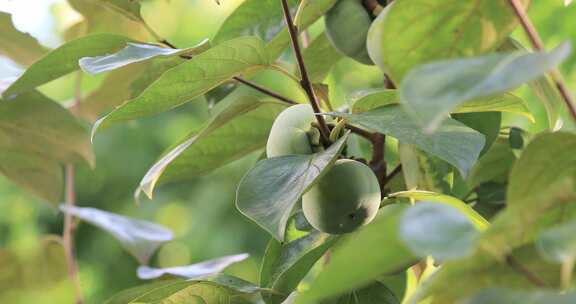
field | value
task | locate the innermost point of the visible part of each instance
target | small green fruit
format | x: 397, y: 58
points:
x: 347, y: 197
x: 347, y: 24
x: 374, y: 40
x: 291, y: 131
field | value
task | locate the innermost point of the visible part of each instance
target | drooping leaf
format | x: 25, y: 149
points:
x: 362, y: 257
x: 453, y: 142
x: 262, y: 18
x: 494, y: 165
x: 218, y: 289
x: 64, y: 60
x: 507, y: 296
x: 192, y: 78
x: 20, y: 47
x: 435, y: 229
x: 487, y: 123
x: 319, y: 57
x: 437, y: 30
x: 479, y: 222
x: 309, y: 12
x: 205, y: 268
x: 268, y: 193
x: 499, y: 103
x: 237, y: 128
x: 33, y: 173
x: 139, y: 238
x: 285, y: 265
x: 35, y: 124
x: 430, y: 91
x: 133, y: 53
x: 558, y: 244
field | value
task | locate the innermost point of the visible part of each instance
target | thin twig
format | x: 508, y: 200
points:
x: 538, y: 45
x: 305, y: 80
x: 529, y: 275
x: 377, y: 163
x: 392, y: 174
x: 264, y: 90
x: 70, y: 200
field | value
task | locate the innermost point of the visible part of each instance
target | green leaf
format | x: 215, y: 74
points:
x: 35, y: 124
x: 375, y: 293
x: 319, y: 57
x: 218, y: 289
x: 362, y: 257
x: 285, y: 265
x: 268, y: 193
x: 435, y: 229
x: 558, y: 244
x: 308, y: 13
x: 139, y: 238
x: 430, y: 91
x: 423, y: 171
x: 192, y: 79
x: 459, y: 280
x: 487, y: 123
x: 494, y: 165
x: 64, y: 60
x: 507, y: 296
x: 453, y: 142
x: 128, y: 8
x: 236, y: 129
x: 33, y: 173
x: 20, y: 47
x: 261, y: 18
x: 205, y: 268
x: 549, y: 158
x: 428, y: 30
x: 135, y: 52
x: 479, y: 222
x: 499, y: 103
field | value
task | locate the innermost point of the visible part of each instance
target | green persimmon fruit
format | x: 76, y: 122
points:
x: 345, y: 198
x: 290, y: 133
x: 374, y: 39
x: 347, y: 24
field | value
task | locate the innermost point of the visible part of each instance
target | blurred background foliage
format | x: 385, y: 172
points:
x: 200, y: 211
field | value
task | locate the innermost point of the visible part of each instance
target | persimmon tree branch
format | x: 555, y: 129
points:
x: 305, y: 80
x: 538, y: 45
x: 70, y: 201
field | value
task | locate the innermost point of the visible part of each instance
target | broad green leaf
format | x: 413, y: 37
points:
x: 487, y: 123
x: 453, y: 142
x: 308, y: 13
x: 20, y: 47
x: 320, y: 56
x: 375, y: 293
x: 494, y: 165
x: 459, y: 280
x: 132, y: 53
x: 261, y: 18
x: 268, y: 193
x: 499, y: 103
x: 285, y: 265
x: 64, y: 60
x: 236, y: 129
x: 33, y: 173
x: 558, y: 244
x: 479, y: 222
x: 423, y: 171
x: 212, y: 289
x: 362, y: 257
x: 437, y: 30
x: 35, y: 124
x: 205, y: 268
x: 192, y: 79
x: 139, y: 238
x: 438, y: 230
x: 128, y: 8
x: 508, y: 296
x: 430, y: 91
x: 548, y: 159
x: 35, y: 273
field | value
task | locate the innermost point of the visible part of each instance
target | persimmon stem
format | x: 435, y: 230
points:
x: 529, y: 275
x: 305, y: 80
x: 264, y: 90
x: 70, y: 201
x: 538, y: 45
